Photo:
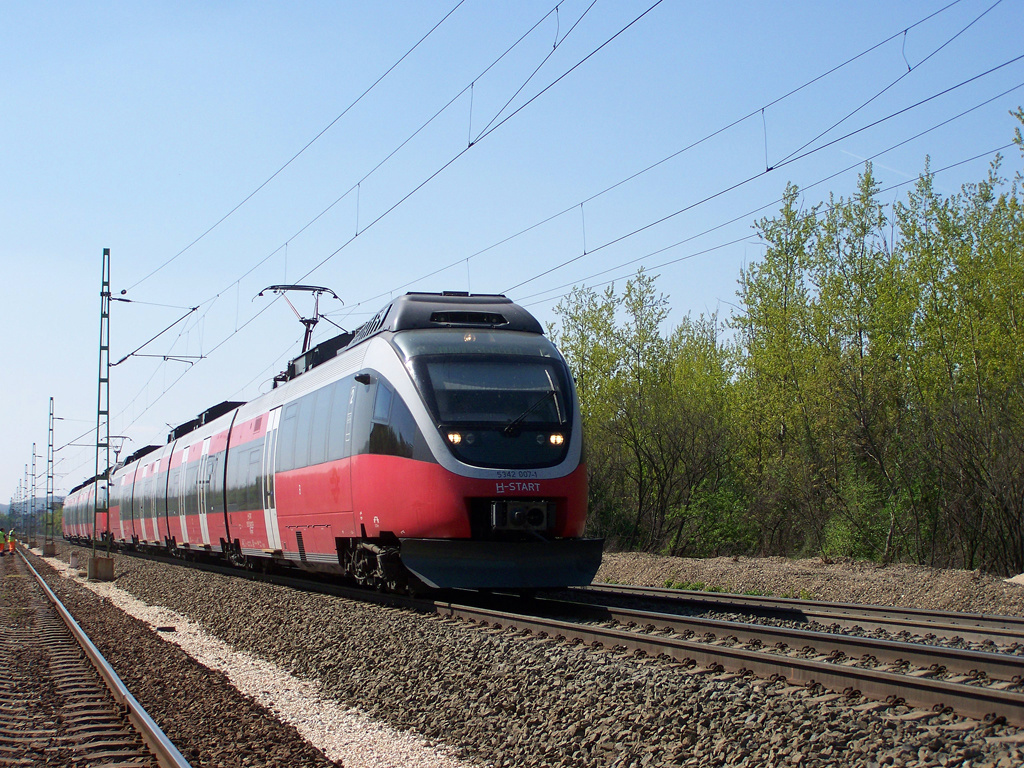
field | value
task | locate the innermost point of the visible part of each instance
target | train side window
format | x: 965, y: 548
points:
x: 245, y: 479
x: 339, y: 415
x: 321, y: 423
x: 190, y: 495
x: 173, y: 479
x: 235, y: 489
x: 304, y: 425
x: 214, y: 477
x: 286, y: 437
x: 362, y: 412
x: 254, y: 478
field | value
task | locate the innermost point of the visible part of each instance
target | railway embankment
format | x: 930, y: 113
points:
x: 207, y: 718
x: 500, y: 698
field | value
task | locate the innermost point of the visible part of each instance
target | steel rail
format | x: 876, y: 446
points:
x: 967, y: 626
x: 977, y: 702
x: 1000, y: 666
x: 166, y: 754
x: 973, y: 701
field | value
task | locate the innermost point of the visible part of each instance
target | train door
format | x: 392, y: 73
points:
x: 133, y: 503
x: 143, y: 493
x: 269, y: 468
x: 203, y: 480
x: 124, y: 500
x: 348, y: 515
x: 182, y: 491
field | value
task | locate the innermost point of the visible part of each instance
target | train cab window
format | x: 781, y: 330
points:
x: 382, y: 404
x: 500, y: 399
x: 340, y: 403
x: 362, y: 413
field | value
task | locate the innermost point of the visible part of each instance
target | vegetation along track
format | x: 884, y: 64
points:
x: 64, y: 705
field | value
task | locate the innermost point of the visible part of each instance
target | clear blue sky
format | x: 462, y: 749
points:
x: 138, y: 126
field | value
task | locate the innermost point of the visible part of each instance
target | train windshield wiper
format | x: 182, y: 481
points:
x: 512, y: 428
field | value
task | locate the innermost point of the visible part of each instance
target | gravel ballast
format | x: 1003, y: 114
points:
x: 510, y: 700
x: 203, y: 714
x: 338, y: 732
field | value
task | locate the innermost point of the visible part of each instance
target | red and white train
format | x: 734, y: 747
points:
x: 440, y: 443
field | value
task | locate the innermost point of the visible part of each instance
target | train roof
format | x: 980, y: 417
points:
x: 90, y: 481
x: 203, y: 418
x: 415, y: 310
x: 449, y: 309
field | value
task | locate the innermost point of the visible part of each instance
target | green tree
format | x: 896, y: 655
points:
x: 778, y: 451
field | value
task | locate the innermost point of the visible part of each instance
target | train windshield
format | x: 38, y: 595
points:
x: 519, y: 392
x: 499, y: 398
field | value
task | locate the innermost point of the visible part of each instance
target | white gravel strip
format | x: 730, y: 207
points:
x: 341, y: 734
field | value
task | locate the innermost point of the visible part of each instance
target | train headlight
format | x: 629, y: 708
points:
x: 556, y: 438
x: 454, y: 438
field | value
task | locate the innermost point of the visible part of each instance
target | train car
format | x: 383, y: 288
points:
x: 439, y: 444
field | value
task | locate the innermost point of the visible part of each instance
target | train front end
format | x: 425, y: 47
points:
x: 502, y: 500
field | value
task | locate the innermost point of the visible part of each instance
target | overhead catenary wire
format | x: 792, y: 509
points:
x: 483, y: 135
x: 894, y: 82
x: 308, y: 144
x: 459, y: 262
x: 693, y: 145
x: 394, y: 206
x: 583, y: 282
x: 605, y: 191
x: 789, y: 161
x: 538, y: 68
x: 439, y: 170
x: 358, y: 184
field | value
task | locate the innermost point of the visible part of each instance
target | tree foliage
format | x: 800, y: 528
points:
x: 866, y: 399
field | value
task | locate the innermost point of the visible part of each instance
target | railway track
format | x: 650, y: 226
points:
x: 984, y: 686
x: 870, y: 672
x: 1005, y: 630
x: 63, y: 704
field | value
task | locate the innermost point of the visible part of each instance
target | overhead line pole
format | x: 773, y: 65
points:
x: 49, y: 545
x: 31, y: 539
x: 104, y: 570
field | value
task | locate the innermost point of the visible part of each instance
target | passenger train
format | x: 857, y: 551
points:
x: 439, y: 445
